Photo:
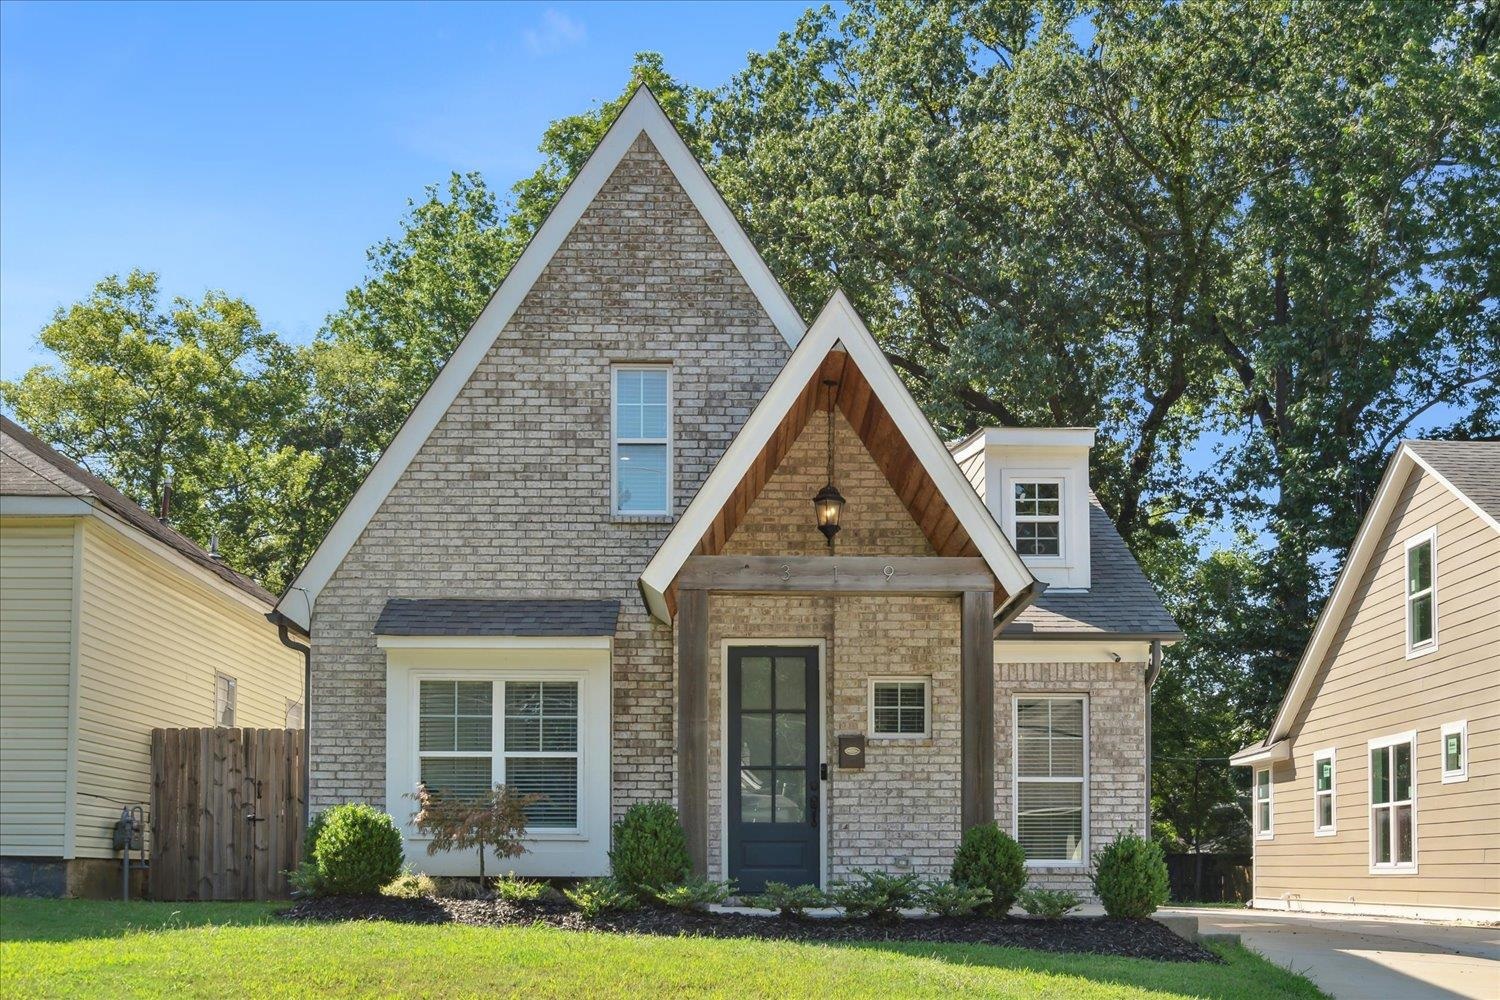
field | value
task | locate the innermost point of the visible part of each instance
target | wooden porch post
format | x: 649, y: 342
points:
x: 978, y: 715
x: 692, y: 723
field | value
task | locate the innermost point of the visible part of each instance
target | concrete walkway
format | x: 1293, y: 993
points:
x: 1368, y: 958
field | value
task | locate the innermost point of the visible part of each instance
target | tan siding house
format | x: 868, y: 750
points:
x: 111, y: 624
x: 1378, y: 789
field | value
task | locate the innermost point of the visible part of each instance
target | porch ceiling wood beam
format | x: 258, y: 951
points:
x: 977, y: 724
x: 692, y: 723
x: 835, y: 574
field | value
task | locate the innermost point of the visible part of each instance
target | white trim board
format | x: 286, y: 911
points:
x: 837, y: 325
x: 1444, y: 914
x: 641, y: 114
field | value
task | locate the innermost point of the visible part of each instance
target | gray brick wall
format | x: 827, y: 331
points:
x: 510, y: 495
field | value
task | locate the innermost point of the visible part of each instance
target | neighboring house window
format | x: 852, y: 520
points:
x: 1263, y: 820
x: 1421, y: 593
x: 899, y: 707
x: 1325, y: 818
x: 642, y: 440
x: 224, y: 699
x: 1455, y: 751
x: 1038, y: 517
x: 541, y: 748
x: 1393, y: 824
x: 293, y: 714
x: 524, y: 734
x: 1051, y: 766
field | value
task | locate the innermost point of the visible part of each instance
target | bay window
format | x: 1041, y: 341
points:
x: 1393, y: 829
x: 1051, y: 777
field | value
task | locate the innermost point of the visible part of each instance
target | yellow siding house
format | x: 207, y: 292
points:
x: 111, y: 624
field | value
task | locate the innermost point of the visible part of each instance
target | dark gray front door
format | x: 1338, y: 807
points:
x: 773, y: 766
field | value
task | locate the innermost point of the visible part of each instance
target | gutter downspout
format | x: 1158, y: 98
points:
x: 284, y: 634
x: 1151, y: 671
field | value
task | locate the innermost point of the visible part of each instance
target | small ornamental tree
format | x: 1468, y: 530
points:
x: 496, y: 820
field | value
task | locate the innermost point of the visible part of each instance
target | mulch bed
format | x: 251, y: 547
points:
x: 1086, y: 935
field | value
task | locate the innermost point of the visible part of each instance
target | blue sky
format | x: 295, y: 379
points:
x: 260, y: 149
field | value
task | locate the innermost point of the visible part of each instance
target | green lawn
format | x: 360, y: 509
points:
x: 66, y: 949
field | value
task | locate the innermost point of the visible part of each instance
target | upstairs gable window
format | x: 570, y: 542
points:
x: 1038, y: 517
x: 1421, y: 593
x: 642, y: 446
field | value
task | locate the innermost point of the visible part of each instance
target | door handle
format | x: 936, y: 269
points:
x: 812, y: 810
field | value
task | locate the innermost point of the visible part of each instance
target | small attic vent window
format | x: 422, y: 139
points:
x: 1038, y: 513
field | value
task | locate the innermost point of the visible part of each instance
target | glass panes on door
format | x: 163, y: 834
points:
x: 773, y: 739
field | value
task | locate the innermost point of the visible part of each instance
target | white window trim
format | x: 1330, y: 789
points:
x: 1270, y: 831
x: 1017, y: 780
x: 497, y: 753
x: 615, y: 441
x: 1022, y: 477
x: 926, y: 682
x: 1393, y: 868
x: 1461, y: 727
x: 1331, y: 755
x: 232, y: 697
x: 1422, y: 648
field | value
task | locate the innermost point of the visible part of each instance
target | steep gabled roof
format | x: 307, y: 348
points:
x: 66, y: 478
x: 1474, y: 464
x: 641, y: 114
x: 952, y: 497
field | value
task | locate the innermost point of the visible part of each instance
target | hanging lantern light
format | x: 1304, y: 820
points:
x: 829, y: 503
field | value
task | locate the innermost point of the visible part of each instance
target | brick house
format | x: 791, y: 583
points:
x: 589, y: 566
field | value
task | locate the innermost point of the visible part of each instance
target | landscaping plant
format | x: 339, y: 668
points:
x: 495, y: 820
x: 358, y: 850
x: 410, y: 885
x: 789, y: 900
x: 599, y: 896
x: 1130, y: 877
x: 650, y: 849
x: 694, y: 894
x: 990, y: 858
x: 949, y: 899
x: 458, y: 887
x: 876, y: 894
x: 514, y: 889
x: 1049, y: 904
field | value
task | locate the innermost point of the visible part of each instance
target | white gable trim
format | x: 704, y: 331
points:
x: 1361, y: 552
x: 641, y: 114
x: 837, y: 324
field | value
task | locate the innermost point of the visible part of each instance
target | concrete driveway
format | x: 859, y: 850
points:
x: 1369, y: 958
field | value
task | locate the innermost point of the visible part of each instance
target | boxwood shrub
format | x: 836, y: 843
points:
x: 989, y: 858
x: 1130, y: 877
x: 357, y: 851
x: 650, y: 850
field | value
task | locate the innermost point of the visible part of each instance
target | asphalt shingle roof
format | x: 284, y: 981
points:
x: 1473, y: 467
x: 1119, y: 600
x: 30, y: 466
x: 459, y: 616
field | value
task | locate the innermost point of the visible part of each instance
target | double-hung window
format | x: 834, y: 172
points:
x: 473, y: 735
x: 1325, y: 816
x: 1393, y: 794
x: 226, y: 694
x: 1421, y: 593
x: 1051, y: 773
x: 1455, y: 751
x: 1038, y: 517
x: 642, y: 446
x: 1264, y: 823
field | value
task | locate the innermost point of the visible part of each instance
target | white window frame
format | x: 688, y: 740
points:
x: 1384, y: 743
x: 1461, y: 727
x: 497, y: 752
x: 294, y: 703
x: 1268, y: 803
x: 1331, y: 755
x: 615, y: 441
x: 1428, y: 537
x: 926, y: 683
x: 1014, y: 520
x: 1017, y: 780
x: 231, y: 701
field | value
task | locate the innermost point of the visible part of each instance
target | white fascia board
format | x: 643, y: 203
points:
x: 837, y: 324
x: 1250, y: 756
x: 1039, y: 437
x: 1344, y: 589
x: 641, y: 114
x: 1467, y: 500
x: 29, y: 506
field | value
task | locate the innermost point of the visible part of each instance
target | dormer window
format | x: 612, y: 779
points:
x: 1038, y: 517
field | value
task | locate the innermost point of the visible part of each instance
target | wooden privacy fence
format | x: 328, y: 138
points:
x: 228, y: 806
x: 1209, y: 878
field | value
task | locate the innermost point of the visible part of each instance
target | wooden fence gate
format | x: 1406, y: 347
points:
x: 227, y: 811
